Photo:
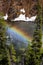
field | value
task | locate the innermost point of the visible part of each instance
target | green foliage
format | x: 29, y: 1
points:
x: 8, y: 57
x: 33, y: 54
x: 41, y: 51
x: 3, y: 49
x: 2, y: 32
x: 13, y: 53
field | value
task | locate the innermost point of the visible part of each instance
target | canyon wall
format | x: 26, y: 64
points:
x: 12, y: 7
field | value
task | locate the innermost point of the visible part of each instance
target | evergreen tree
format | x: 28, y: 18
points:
x: 37, y: 37
x: 12, y: 53
x: 33, y: 53
x: 4, y: 60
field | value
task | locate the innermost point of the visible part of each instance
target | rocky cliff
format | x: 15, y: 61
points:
x: 12, y: 7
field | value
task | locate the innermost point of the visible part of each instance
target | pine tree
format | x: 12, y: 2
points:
x: 12, y: 53
x: 33, y: 53
x: 3, y: 49
x: 37, y: 37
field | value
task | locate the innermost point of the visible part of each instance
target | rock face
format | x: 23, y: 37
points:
x: 12, y: 7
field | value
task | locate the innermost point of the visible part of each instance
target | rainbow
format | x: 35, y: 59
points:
x: 20, y: 32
